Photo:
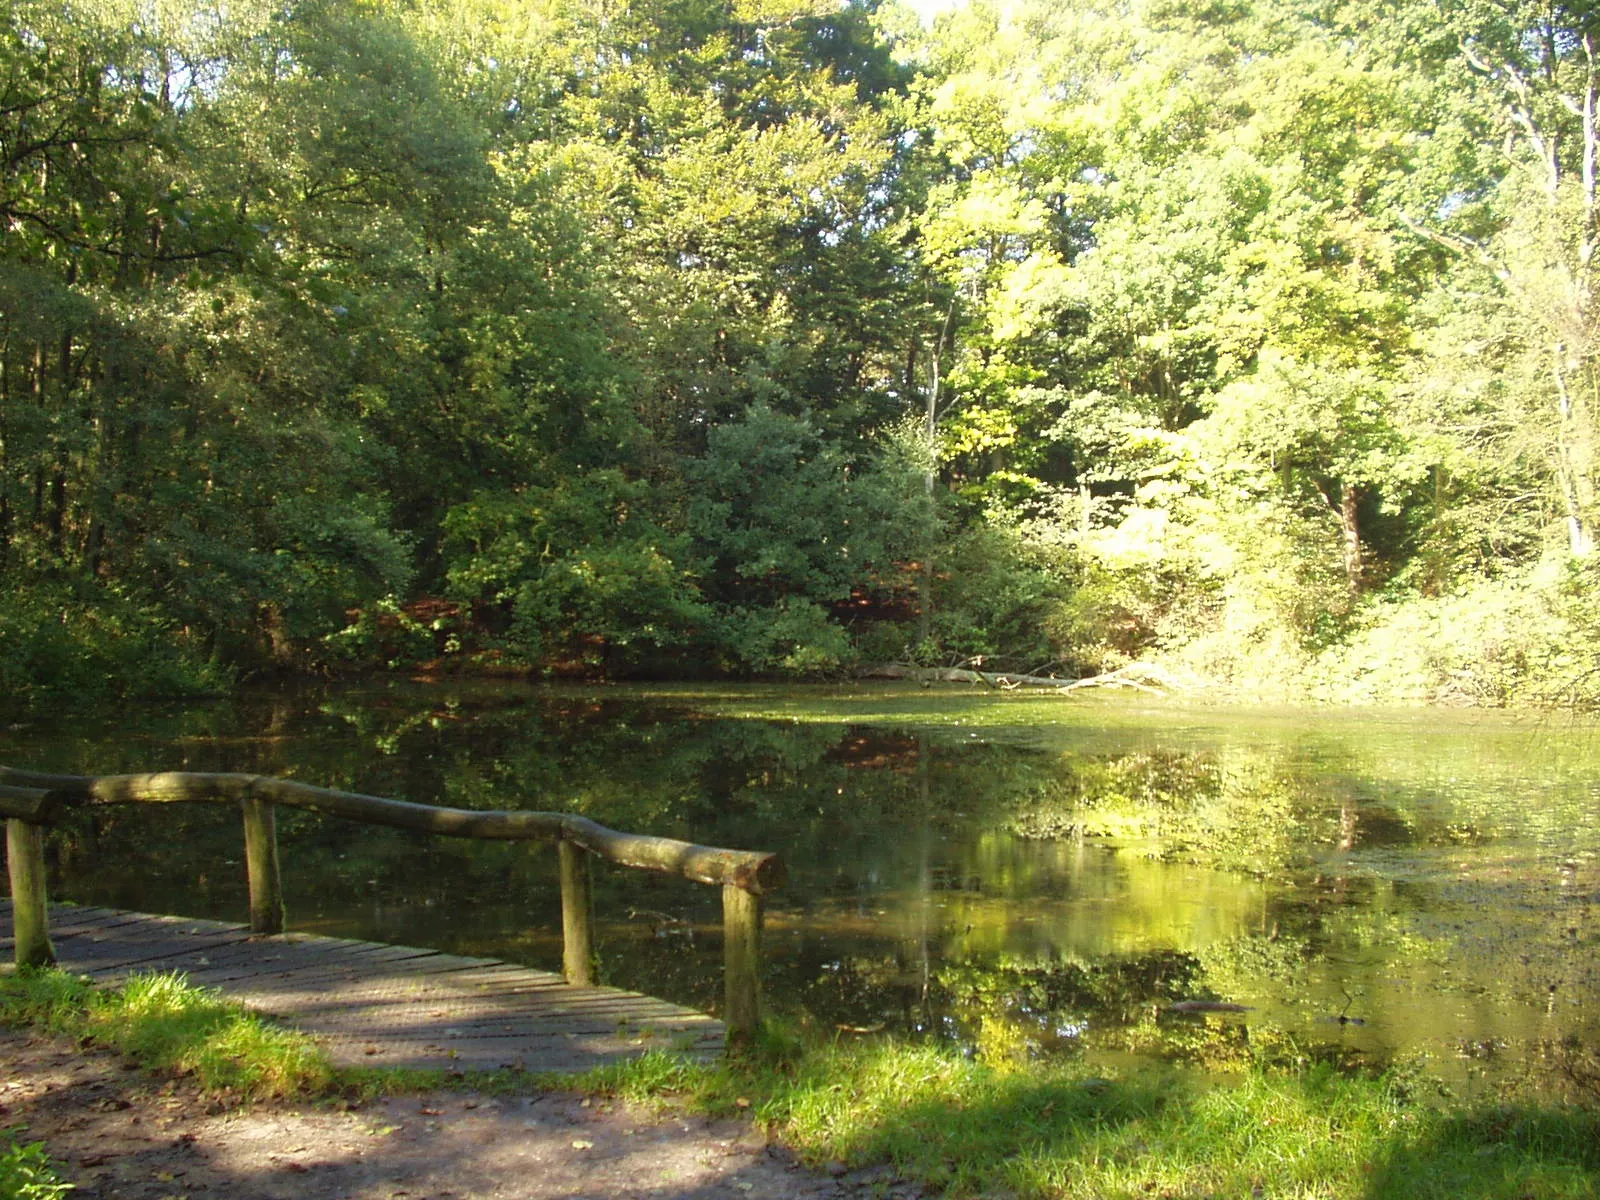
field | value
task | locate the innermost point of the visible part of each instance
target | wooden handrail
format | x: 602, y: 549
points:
x: 38, y: 805
x: 30, y: 800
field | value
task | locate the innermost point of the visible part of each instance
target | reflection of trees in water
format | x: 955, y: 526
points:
x: 183, y: 858
x: 1005, y: 1009
x: 918, y: 861
x: 1262, y: 810
x: 864, y: 990
x: 1257, y: 809
x: 1232, y: 809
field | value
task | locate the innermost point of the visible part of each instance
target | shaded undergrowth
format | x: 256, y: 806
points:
x: 964, y: 1126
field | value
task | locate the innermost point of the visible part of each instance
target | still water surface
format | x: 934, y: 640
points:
x: 1019, y: 876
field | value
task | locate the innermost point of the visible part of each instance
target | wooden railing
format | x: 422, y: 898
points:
x: 31, y: 801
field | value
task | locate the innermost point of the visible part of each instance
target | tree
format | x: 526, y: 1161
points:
x: 786, y: 527
x: 1543, y: 255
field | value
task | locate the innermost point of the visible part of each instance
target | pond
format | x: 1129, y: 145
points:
x: 1021, y: 876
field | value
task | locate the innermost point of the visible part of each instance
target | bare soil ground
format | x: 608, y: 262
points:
x: 118, y: 1133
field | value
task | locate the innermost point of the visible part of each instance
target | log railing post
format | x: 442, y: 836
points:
x: 741, y: 962
x: 261, y: 861
x: 577, y: 915
x: 29, y: 916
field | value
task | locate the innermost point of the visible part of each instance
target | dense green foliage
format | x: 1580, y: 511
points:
x: 771, y: 338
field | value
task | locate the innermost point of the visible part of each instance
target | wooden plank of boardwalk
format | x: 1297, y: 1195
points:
x: 388, y: 1006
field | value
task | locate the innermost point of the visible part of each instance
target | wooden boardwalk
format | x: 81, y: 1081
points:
x: 386, y: 1006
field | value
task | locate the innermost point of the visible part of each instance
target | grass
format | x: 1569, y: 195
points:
x: 965, y: 1126
x: 26, y: 1172
x: 164, y: 1022
x: 976, y: 1129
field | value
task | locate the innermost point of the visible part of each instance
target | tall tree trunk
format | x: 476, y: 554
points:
x: 280, y: 646
x: 36, y: 385
x: 930, y: 433
x: 1574, y: 457
x: 5, y: 457
x: 58, y: 511
x: 1350, y: 533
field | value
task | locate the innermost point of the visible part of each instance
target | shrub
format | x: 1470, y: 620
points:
x: 792, y: 637
x: 66, y: 642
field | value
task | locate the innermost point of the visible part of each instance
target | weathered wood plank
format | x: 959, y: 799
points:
x: 379, y: 1005
x: 528, y: 988
x: 78, y: 921
x: 122, y: 959
x: 329, y: 968
x: 417, y: 994
x: 490, y: 977
x: 125, y: 952
x: 67, y: 920
x: 242, y: 958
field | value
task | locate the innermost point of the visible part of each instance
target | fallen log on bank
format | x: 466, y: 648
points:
x: 1140, y: 676
x: 1001, y: 679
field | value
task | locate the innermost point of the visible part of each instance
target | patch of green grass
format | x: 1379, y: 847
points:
x: 167, y: 1023
x: 1044, y: 1131
x: 26, y: 1173
x: 51, y: 1001
x: 649, y: 1078
x: 973, y: 1129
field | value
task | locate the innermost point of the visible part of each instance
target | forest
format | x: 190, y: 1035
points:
x: 1254, y: 340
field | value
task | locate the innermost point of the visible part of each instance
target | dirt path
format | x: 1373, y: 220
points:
x: 121, y: 1134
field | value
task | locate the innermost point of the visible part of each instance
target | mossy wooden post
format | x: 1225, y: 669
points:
x: 577, y: 915
x: 261, y: 860
x: 741, y: 962
x: 29, y: 916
